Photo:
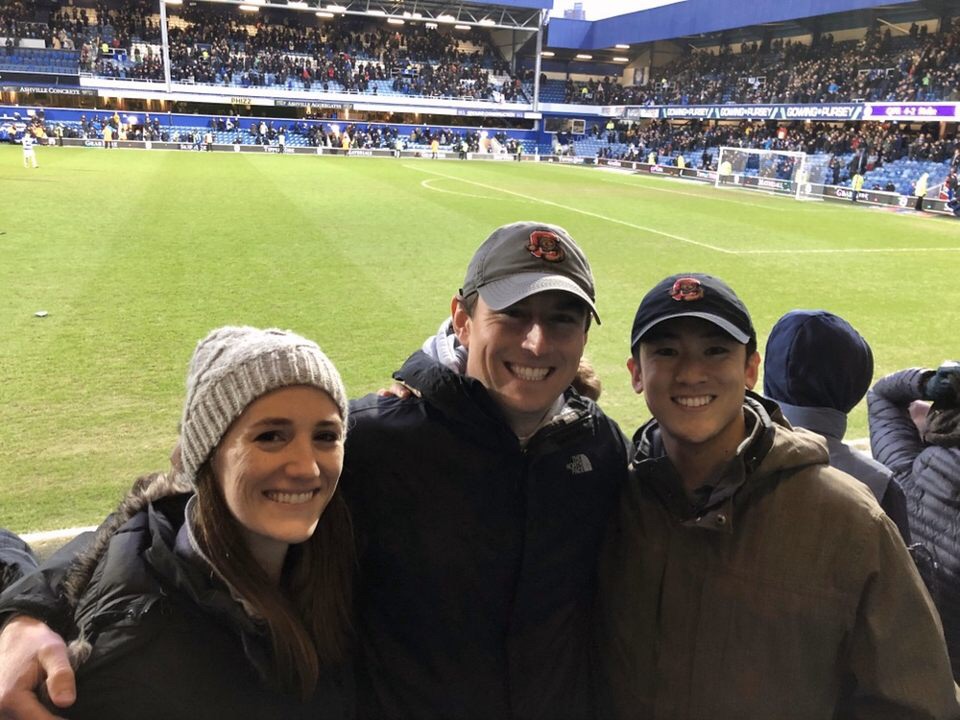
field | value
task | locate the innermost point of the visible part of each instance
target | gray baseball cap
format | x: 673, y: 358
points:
x: 526, y: 258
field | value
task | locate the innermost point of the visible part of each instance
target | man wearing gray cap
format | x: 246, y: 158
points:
x: 480, y: 502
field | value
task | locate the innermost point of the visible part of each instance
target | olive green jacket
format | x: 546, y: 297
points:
x: 786, y: 594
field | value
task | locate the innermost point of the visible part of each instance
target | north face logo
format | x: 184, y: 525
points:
x: 579, y: 464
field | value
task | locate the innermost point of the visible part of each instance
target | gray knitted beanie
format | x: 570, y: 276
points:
x: 232, y: 367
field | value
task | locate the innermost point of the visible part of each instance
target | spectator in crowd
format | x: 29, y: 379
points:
x: 856, y: 186
x: 817, y: 368
x: 920, y: 190
x: 223, y: 589
x: 16, y: 559
x: 915, y: 431
x: 742, y: 576
x: 834, y: 167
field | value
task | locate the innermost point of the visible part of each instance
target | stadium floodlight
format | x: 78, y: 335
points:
x: 446, y: 18
x: 336, y: 8
x: 249, y: 8
x: 487, y: 22
x: 584, y: 56
x: 297, y: 4
x: 621, y: 59
x: 324, y: 14
x: 461, y: 27
x: 547, y: 53
x: 173, y: 2
x: 783, y: 172
x: 379, y: 13
x: 621, y: 46
x: 395, y: 21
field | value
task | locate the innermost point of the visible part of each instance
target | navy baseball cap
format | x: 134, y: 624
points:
x: 693, y: 295
x: 816, y: 359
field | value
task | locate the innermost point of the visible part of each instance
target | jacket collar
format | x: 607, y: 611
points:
x: 466, y: 399
x: 713, y: 508
x: 821, y: 420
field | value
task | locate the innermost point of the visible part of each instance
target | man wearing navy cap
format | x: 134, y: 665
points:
x: 818, y: 367
x: 742, y: 577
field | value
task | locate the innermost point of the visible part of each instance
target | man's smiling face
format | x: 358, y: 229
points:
x: 526, y: 354
x: 694, y: 377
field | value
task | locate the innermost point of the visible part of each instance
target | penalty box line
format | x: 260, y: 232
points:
x: 680, y: 238
x: 561, y: 206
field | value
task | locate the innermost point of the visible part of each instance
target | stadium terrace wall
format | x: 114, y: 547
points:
x: 9, y: 80
x: 176, y: 121
x: 278, y: 96
x: 834, y: 112
x: 264, y: 149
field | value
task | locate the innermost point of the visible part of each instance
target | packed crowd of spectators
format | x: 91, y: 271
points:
x: 17, y: 20
x: 343, y: 56
x: 871, y: 144
x: 246, y: 130
x: 918, y: 66
x: 217, y: 46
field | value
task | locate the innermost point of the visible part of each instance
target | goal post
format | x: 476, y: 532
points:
x: 815, y: 174
x: 784, y: 172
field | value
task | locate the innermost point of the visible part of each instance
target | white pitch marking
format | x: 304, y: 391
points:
x: 577, y: 210
x: 793, y: 251
x: 700, y: 196
x: 428, y: 186
x: 825, y: 251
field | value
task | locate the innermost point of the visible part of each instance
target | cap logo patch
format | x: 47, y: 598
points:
x: 546, y: 246
x: 687, y: 289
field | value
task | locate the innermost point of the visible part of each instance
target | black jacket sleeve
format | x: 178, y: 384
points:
x: 37, y: 594
x: 894, y: 439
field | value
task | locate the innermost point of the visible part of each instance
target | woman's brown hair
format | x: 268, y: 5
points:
x: 308, y: 614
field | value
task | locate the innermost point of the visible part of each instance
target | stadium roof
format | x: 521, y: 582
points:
x: 700, y: 22
x: 509, y: 14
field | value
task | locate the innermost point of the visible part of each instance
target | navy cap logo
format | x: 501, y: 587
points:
x: 546, y: 246
x: 687, y: 289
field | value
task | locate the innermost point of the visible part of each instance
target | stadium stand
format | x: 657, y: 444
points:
x: 359, y: 56
x: 877, y: 67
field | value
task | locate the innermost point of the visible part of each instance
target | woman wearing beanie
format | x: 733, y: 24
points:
x: 223, y: 589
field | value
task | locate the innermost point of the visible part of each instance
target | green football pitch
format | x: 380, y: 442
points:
x: 136, y: 255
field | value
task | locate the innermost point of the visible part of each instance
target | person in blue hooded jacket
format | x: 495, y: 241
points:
x: 817, y: 367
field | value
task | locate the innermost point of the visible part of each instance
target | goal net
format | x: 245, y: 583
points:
x: 783, y: 172
x: 814, y: 177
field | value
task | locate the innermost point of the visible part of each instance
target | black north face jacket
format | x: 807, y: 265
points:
x: 478, y: 557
